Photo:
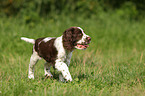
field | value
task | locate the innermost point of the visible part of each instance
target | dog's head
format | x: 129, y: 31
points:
x: 75, y: 37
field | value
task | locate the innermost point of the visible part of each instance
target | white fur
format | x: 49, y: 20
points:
x: 83, y: 38
x: 63, y: 60
x: 59, y: 46
x: 33, y: 60
x: 47, y: 39
x: 81, y: 29
x: 63, y: 68
x: 28, y: 40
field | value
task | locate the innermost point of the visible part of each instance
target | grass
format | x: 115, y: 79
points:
x: 113, y: 65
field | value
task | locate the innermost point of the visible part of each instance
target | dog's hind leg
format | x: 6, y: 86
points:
x: 33, y: 60
x: 47, y: 70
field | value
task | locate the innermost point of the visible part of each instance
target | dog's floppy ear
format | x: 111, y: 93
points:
x: 68, y: 34
x: 68, y: 39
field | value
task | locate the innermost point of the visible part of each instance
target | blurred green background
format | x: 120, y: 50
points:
x: 33, y: 9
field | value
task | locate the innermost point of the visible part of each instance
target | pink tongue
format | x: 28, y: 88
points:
x: 82, y: 46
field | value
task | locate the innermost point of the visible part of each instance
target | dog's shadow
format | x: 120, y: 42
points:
x: 55, y: 76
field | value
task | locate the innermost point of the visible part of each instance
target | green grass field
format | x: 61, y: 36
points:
x: 113, y: 65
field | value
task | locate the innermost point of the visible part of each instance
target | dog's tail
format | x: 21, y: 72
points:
x: 28, y: 40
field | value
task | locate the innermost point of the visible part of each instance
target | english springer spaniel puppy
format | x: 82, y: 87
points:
x: 57, y: 52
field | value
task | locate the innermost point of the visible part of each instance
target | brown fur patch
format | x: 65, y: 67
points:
x: 46, y: 50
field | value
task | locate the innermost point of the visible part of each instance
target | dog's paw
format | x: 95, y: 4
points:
x: 31, y: 76
x: 68, y: 78
x: 48, y: 76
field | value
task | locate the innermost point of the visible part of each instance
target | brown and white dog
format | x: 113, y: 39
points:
x: 57, y: 52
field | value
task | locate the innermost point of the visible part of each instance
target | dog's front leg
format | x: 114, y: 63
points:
x: 63, y: 68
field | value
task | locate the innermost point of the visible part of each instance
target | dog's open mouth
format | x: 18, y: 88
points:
x: 81, y: 46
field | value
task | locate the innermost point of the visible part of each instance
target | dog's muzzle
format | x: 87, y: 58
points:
x: 84, y: 45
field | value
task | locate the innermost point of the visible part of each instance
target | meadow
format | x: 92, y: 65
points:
x: 113, y: 65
